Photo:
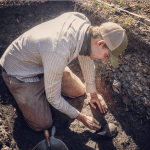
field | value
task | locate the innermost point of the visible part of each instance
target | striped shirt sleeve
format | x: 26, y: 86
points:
x: 54, y: 66
x: 88, y: 70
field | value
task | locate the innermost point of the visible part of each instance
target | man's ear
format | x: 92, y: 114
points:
x: 101, y: 42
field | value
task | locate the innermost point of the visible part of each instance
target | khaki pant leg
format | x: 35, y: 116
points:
x: 32, y: 101
x: 72, y: 86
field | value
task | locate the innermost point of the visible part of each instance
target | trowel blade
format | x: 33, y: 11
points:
x: 41, y: 145
x: 57, y: 144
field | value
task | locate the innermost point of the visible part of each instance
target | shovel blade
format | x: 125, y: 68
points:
x: 41, y: 146
x: 57, y: 144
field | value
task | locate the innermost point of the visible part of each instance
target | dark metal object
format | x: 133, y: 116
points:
x: 50, y: 143
x: 44, y: 144
x: 56, y: 144
x: 110, y: 130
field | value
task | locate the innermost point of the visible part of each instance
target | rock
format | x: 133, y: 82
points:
x: 145, y: 101
x: 137, y: 98
x: 145, y: 70
x: 146, y: 60
x: 147, y: 93
x: 148, y: 111
x: 147, y: 88
x: 140, y: 64
x: 130, y: 78
x: 117, y: 86
x: 138, y: 75
x: 130, y: 93
x: 125, y: 84
x: 6, y: 148
x: 126, y: 68
x: 139, y: 86
x: 142, y: 110
x: 126, y: 100
x: 128, y: 56
x: 134, y: 87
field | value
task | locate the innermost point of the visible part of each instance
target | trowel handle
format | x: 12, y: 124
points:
x: 53, y: 131
x: 47, y: 136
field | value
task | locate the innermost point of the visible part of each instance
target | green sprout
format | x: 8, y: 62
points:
x: 106, y: 7
x: 120, y: 18
x: 119, y: 1
x: 113, y: 9
x: 96, y: 3
x: 129, y: 20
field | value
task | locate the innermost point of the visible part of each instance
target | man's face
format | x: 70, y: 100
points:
x: 99, y: 51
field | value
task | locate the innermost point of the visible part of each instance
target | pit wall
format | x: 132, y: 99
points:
x: 133, y: 74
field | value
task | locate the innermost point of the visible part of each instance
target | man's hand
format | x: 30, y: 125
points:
x: 89, y: 122
x: 98, y: 99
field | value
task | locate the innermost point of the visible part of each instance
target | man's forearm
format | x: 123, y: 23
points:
x: 80, y: 117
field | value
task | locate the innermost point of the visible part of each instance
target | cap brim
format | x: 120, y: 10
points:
x: 115, y: 53
x: 121, y: 47
x: 114, y: 60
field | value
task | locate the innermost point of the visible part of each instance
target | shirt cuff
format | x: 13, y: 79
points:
x: 72, y: 113
x: 90, y: 87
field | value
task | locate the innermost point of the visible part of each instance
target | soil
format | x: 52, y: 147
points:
x: 139, y: 7
x: 15, y: 134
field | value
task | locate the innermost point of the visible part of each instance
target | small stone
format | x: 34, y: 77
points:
x: 140, y: 64
x: 121, y: 68
x: 133, y: 59
x: 117, y: 86
x: 1, y: 122
x: 128, y: 56
x: 6, y: 148
x: 140, y: 88
x: 130, y: 93
x: 147, y: 103
x: 138, y: 74
x: 134, y: 87
x: 147, y: 88
x: 143, y: 99
x: 148, y: 111
x: 126, y: 100
x: 126, y: 68
x: 146, y: 60
x: 126, y: 85
x: 145, y: 70
x: 143, y: 80
x: 147, y: 93
x: 130, y: 78
x: 137, y: 98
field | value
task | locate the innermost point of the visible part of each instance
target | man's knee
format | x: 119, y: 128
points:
x: 67, y: 72
x: 42, y: 125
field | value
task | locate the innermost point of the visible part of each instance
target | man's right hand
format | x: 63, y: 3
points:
x: 89, y: 122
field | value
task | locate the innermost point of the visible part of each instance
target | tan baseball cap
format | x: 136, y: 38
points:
x: 116, y: 40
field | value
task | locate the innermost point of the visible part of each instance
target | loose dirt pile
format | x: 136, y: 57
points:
x: 130, y: 114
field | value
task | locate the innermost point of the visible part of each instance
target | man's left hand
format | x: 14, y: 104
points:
x: 98, y: 99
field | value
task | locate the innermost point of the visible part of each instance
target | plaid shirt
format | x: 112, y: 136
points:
x: 48, y: 48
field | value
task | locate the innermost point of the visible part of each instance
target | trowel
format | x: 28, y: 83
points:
x: 50, y: 143
x: 44, y: 144
x: 109, y: 130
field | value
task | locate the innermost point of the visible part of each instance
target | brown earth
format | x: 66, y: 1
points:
x: 139, y: 7
x: 133, y: 128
